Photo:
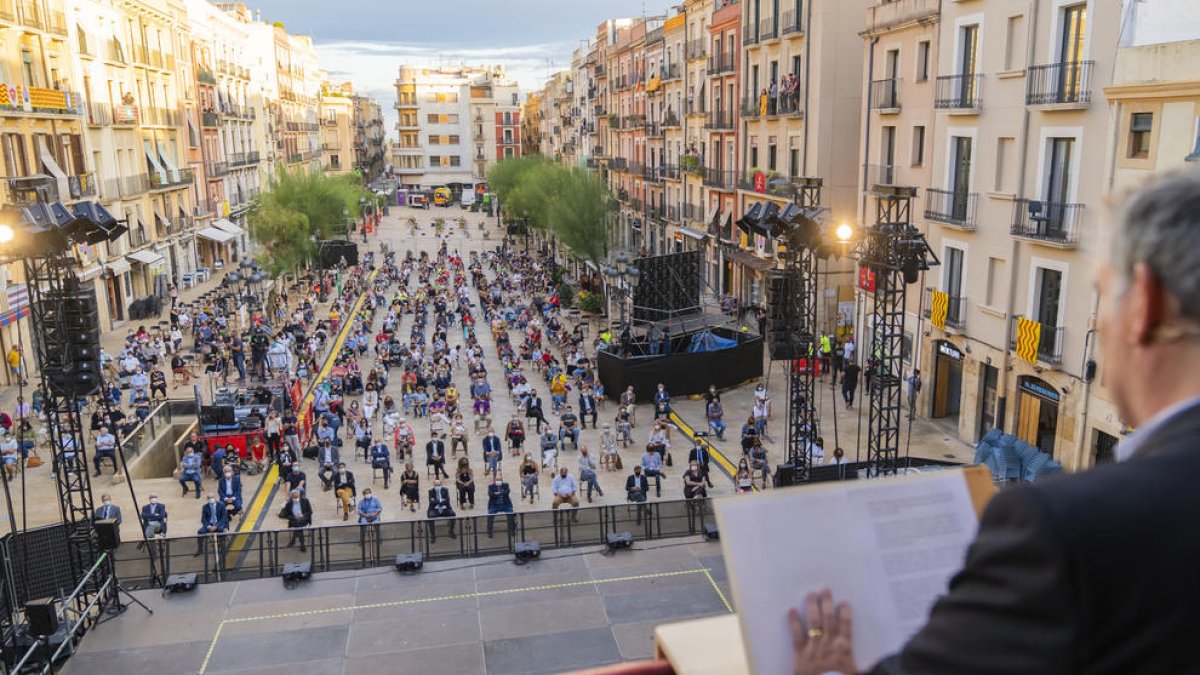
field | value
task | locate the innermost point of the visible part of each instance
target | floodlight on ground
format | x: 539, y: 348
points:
x: 619, y: 540
x: 409, y: 563
x: 526, y: 551
x: 294, y: 573
x: 180, y: 583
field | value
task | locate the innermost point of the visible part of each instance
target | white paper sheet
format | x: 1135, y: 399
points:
x: 888, y: 547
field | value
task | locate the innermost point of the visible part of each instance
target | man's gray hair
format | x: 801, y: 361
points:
x: 1159, y: 226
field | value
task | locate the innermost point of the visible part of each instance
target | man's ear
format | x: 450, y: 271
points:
x: 1146, y: 306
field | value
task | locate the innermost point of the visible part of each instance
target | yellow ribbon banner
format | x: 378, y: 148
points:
x: 1029, y: 336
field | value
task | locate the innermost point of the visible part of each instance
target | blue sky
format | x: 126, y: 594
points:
x: 365, y: 41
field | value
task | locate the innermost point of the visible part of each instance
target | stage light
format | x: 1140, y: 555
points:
x: 619, y: 540
x: 6, y: 234
x: 527, y: 550
x: 180, y: 583
x: 294, y: 573
x: 844, y: 232
x: 409, y: 562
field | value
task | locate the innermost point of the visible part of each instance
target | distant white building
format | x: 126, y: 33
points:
x: 454, y: 123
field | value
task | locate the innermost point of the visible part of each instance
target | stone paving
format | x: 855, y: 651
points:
x: 927, y: 439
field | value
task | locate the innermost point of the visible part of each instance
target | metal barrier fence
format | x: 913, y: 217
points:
x: 261, y: 554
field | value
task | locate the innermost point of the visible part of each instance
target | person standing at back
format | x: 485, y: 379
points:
x: 1091, y: 573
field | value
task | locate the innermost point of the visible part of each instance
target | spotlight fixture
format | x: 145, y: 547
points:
x: 294, y: 573
x: 94, y: 224
x: 619, y: 540
x: 526, y: 551
x: 409, y: 563
x: 180, y: 583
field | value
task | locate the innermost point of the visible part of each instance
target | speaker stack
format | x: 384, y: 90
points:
x: 71, y: 339
x: 783, y: 328
x: 332, y: 252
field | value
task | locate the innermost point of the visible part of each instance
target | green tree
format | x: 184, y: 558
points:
x: 298, y: 207
x: 572, y: 204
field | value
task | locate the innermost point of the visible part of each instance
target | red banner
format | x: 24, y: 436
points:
x: 760, y: 182
x: 866, y: 279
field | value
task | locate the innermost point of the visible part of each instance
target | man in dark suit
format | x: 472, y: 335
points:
x: 435, y: 456
x: 381, y: 459
x: 439, y: 507
x: 587, y: 407
x: 229, y: 491
x: 298, y: 512
x: 637, y: 489
x: 699, y: 455
x: 328, y: 459
x: 108, y: 510
x: 499, y: 501
x: 1093, y: 572
x: 214, y: 519
x: 533, y: 408
x: 154, y: 518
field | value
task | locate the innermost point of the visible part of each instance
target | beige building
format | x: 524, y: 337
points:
x: 1011, y: 203
x: 369, y: 138
x: 337, y: 127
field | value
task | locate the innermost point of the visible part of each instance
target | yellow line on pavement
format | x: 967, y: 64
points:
x: 461, y: 596
x: 717, y: 588
x: 264, y: 491
x: 729, y: 466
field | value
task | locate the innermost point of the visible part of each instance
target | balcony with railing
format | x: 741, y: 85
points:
x: 951, y: 208
x: 219, y: 169
x: 671, y: 120
x: 695, y: 107
x: 618, y: 163
x: 125, y: 115
x: 599, y: 71
x: 56, y: 22
x: 8, y: 11
x: 721, y: 120
x: 1049, y: 342
x: 1052, y: 223
x: 668, y: 171
x: 792, y: 23
x: 1059, y: 85
x: 31, y: 14
x: 693, y: 212
x: 134, y: 185
x: 654, y: 130
x: 749, y: 35
x: 720, y: 64
x: 882, y: 174
x: 956, y: 310
x: 236, y: 159
x: 959, y: 93
x: 716, y: 178
x: 637, y: 169
x: 672, y: 71
x: 768, y: 29
x: 883, y: 15
x: 170, y: 179
x: 40, y: 100
x: 696, y: 49
x: 885, y: 96
x: 83, y: 185
x: 751, y: 108
x: 210, y: 118
x: 160, y: 117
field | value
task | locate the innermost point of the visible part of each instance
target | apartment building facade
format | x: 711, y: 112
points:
x: 448, y: 128
x: 995, y: 113
x: 337, y: 128
x: 370, y: 138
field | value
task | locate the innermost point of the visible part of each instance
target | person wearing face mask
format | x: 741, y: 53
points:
x: 214, y: 519
x: 189, y: 471
x: 108, y: 510
x: 229, y: 491
x: 439, y: 507
x: 296, y: 479
x: 154, y: 518
x: 343, y: 487
x: 499, y: 501
x: 370, y: 511
x: 529, y: 477
x: 693, y: 481
x: 298, y: 512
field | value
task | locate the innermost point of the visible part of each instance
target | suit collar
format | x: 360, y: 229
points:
x: 1176, y: 423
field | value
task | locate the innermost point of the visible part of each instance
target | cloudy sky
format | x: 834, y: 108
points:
x: 365, y: 41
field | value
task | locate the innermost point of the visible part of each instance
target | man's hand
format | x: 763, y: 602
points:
x: 822, y: 644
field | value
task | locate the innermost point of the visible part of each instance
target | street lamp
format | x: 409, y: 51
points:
x: 623, y: 278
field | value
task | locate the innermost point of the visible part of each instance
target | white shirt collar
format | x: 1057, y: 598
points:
x: 1129, y: 447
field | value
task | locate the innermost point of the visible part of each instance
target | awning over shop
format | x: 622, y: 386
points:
x: 213, y: 234
x: 748, y: 259
x: 688, y: 232
x: 155, y: 165
x: 52, y: 166
x: 118, y: 266
x: 145, y: 257
x: 226, y: 225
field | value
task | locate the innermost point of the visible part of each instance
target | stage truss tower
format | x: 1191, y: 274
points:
x: 894, y: 252
x: 800, y: 289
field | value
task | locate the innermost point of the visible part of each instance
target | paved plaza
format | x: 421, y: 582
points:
x: 927, y: 439
x: 572, y: 609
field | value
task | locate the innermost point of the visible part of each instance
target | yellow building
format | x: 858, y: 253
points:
x: 337, y: 128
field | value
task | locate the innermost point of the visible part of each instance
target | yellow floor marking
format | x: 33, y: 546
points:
x: 272, y: 475
x: 461, y: 596
x: 716, y: 454
x: 717, y: 588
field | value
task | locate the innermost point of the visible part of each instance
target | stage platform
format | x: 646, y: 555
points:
x: 572, y: 609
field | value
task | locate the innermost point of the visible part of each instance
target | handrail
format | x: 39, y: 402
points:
x: 73, y: 633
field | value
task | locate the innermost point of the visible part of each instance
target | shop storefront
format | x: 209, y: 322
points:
x: 947, y: 380
x: 1037, y: 412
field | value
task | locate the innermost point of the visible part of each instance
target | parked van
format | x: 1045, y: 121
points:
x: 442, y: 196
x: 468, y: 198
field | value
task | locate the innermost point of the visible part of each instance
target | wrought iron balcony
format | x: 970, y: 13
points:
x: 1065, y: 84
x: 959, y: 92
x: 1050, y: 342
x: 951, y: 208
x: 956, y: 310
x: 719, y: 120
x: 1053, y: 223
x: 749, y: 35
x: 768, y: 29
x: 792, y: 23
x: 719, y: 64
x: 718, y: 178
x: 885, y: 95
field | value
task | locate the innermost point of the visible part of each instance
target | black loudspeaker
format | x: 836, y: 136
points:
x: 108, y: 535
x: 220, y: 415
x: 332, y: 252
x: 41, y: 617
x: 785, y: 475
x: 782, y: 326
x: 71, y: 341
